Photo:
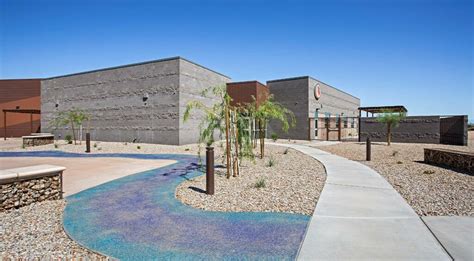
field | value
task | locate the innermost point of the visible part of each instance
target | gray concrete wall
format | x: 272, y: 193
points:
x: 453, y: 130
x: 413, y: 129
x: 114, y: 98
x: 293, y: 95
x: 332, y: 100
x: 297, y: 94
x: 193, y: 79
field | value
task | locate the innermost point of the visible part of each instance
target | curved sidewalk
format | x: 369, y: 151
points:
x: 360, y: 216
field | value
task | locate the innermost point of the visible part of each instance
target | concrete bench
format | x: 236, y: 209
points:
x: 41, y: 134
x: 459, y: 160
x: 23, y: 186
x: 36, y: 140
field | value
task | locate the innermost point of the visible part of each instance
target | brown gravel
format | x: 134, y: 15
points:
x: 443, y: 192
x: 292, y: 185
x: 35, y: 232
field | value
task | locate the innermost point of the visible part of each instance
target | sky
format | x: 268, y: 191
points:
x: 415, y: 53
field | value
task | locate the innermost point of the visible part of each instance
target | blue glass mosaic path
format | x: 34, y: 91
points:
x: 138, y: 217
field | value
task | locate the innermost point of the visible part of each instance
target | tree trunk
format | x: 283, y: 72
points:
x: 389, y: 133
x: 236, y: 171
x: 73, y: 132
x: 262, y: 138
x: 227, y: 147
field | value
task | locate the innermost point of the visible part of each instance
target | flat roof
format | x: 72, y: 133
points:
x: 243, y: 82
x: 33, y: 111
x: 379, y: 109
x: 309, y: 77
x: 135, y: 64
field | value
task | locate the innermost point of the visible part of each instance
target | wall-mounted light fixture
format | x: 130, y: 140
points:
x: 145, y: 98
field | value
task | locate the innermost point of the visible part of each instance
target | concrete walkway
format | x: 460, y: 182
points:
x: 359, y: 216
x: 455, y: 233
x: 83, y: 173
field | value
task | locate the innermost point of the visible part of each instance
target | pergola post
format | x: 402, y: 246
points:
x: 31, y: 123
x: 5, y: 125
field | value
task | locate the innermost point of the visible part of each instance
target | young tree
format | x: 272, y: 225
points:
x: 270, y: 110
x: 73, y: 117
x: 391, y: 119
x: 219, y: 119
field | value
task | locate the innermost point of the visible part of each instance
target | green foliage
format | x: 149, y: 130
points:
x: 213, y: 120
x: 23, y: 146
x: 260, y: 183
x: 274, y: 137
x: 56, y: 146
x: 399, y: 162
x: 95, y: 145
x: 138, y: 147
x: 73, y: 117
x: 391, y: 120
x: 68, y: 138
x: 270, y: 110
x: 428, y: 172
x: 271, y: 162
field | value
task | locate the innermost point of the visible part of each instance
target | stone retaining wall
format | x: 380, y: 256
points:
x: 30, y: 141
x: 463, y: 161
x: 19, y: 192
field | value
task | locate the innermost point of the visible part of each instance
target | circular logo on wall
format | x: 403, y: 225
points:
x: 317, y: 91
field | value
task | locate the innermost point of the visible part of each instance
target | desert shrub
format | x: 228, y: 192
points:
x: 429, y: 171
x: 138, y: 147
x: 95, y: 145
x: 56, y: 146
x: 68, y: 138
x: 286, y: 151
x: 274, y: 137
x: 187, y: 149
x: 399, y: 162
x: 271, y: 162
x: 394, y: 153
x: 260, y: 183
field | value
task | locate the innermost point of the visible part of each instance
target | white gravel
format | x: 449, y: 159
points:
x: 430, y: 190
x: 292, y: 185
x: 35, y: 232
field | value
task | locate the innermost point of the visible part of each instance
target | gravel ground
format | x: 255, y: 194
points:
x: 292, y: 185
x: 430, y: 190
x: 35, y: 232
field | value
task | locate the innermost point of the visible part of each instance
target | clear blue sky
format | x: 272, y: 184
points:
x: 415, y: 53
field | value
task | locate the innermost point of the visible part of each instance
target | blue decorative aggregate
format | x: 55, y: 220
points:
x: 138, y: 217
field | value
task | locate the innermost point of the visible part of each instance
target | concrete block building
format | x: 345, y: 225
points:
x: 317, y: 107
x: 141, y: 102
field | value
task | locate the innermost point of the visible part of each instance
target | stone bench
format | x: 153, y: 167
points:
x: 23, y: 186
x: 459, y: 160
x: 36, y: 140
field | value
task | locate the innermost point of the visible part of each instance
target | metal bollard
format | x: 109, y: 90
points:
x: 210, y: 170
x: 368, y: 149
x: 88, y: 142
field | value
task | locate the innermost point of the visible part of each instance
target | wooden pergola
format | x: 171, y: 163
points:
x: 30, y: 111
x: 381, y: 109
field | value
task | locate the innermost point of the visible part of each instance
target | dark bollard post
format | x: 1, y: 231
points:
x: 368, y: 149
x: 210, y: 170
x: 88, y: 142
